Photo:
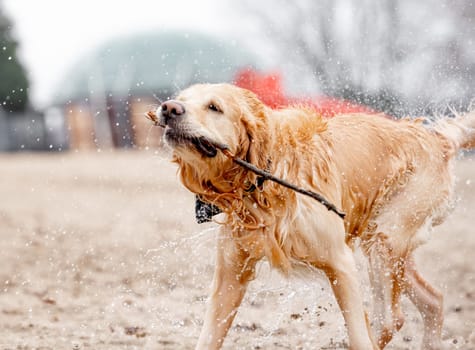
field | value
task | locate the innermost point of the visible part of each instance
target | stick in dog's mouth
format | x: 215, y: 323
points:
x: 205, y: 146
x: 153, y: 117
x: 209, y: 148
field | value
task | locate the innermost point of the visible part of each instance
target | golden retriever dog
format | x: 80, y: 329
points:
x: 393, y: 179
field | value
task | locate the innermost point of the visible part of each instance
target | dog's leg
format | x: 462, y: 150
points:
x: 342, y: 274
x: 385, y: 272
x: 429, y: 302
x: 234, y: 269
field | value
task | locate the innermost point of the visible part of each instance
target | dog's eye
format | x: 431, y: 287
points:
x: 213, y: 107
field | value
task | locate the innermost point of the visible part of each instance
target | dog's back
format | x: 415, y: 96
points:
x: 396, y: 175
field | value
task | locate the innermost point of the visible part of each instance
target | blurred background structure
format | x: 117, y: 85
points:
x: 397, y: 57
x: 107, y: 93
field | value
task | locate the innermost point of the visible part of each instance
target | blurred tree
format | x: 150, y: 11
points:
x: 383, y: 53
x: 13, y: 80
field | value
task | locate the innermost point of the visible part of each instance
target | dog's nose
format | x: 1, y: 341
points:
x: 172, y: 108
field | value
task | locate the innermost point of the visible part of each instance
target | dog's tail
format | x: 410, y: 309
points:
x: 460, y: 130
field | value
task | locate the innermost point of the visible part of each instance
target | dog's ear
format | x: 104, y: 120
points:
x: 254, y: 119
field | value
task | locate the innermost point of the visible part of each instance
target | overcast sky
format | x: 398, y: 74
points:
x: 53, y: 34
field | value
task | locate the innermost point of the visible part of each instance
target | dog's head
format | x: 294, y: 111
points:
x: 205, y: 118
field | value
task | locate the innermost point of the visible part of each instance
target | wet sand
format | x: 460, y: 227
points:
x: 101, y: 251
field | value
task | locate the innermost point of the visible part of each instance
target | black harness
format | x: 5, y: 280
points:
x: 205, y: 211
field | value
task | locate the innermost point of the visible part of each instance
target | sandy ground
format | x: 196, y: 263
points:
x: 101, y: 251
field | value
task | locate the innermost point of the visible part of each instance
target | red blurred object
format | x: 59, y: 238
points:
x: 268, y: 87
x: 330, y: 106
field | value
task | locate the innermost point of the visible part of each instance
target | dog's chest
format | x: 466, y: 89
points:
x: 308, y: 232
